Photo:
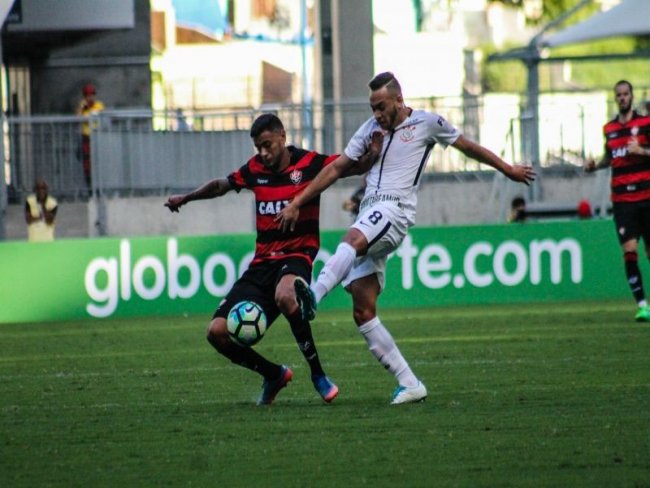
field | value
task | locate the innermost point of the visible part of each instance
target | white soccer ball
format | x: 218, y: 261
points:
x: 246, y: 323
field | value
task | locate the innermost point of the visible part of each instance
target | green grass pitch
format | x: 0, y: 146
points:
x: 554, y: 395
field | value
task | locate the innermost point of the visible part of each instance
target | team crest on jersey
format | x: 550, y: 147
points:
x: 296, y: 176
x: 634, y: 131
x: 407, y: 134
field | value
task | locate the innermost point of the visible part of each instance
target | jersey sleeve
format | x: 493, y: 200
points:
x: 51, y: 204
x: 644, y: 132
x: 238, y: 179
x: 330, y: 159
x: 441, y: 131
x: 358, y: 144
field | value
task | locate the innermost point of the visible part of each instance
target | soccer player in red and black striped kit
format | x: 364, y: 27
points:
x: 627, y: 151
x: 275, y: 174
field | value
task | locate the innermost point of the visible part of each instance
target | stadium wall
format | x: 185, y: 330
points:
x: 445, y: 199
x: 459, y: 265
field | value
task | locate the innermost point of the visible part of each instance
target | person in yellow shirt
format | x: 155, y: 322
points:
x: 40, y: 213
x: 88, y: 106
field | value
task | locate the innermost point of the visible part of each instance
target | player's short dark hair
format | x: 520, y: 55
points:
x: 624, y: 82
x: 40, y: 183
x: 518, y: 201
x: 264, y: 122
x: 385, y: 79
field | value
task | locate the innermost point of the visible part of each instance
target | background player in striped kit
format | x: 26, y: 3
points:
x: 275, y: 174
x: 386, y: 213
x: 627, y: 151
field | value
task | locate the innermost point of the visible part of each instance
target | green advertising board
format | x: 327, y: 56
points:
x: 80, y: 279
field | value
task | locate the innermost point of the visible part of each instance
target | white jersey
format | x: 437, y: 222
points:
x: 397, y: 173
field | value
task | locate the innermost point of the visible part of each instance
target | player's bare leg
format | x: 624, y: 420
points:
x: 286, y: 300
x: 336, y: 268
x: 365, y: 292
x: 275, y: 376
x: 634, y: 279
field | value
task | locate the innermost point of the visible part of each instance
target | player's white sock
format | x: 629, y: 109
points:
x: 383, y: 347
x: 336, y: 268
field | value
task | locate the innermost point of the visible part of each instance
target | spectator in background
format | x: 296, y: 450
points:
x: 352, y: 204
x: 181, y: 121
x: 89, y: 105
x: 40, y: 213
x: 627, y: 151
x: 517, y: 210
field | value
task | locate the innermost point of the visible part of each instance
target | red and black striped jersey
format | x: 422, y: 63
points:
x: 273, y: 191
x: 630, y: 172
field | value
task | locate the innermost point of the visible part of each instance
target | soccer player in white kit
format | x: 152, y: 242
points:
x: 403, y: 138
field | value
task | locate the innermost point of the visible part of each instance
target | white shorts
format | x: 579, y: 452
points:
x: 384, y: 225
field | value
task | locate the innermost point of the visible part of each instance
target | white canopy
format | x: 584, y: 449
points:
x: 628, y: 18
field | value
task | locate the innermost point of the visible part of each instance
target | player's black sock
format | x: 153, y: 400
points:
x: 302, y: 332
x: 634, y: 275
x: 247, y: 357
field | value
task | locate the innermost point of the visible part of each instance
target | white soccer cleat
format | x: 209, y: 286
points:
x: 403, y: 394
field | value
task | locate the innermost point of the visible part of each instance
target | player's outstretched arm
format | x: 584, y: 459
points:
x: 592, y: 165
x: 288, y: 216
x: 520, y: 172
x: 211, y: 189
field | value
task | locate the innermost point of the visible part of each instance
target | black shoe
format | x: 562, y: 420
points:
x: 306, y: 299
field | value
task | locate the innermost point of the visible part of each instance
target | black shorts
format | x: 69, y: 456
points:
x: 258, y: 284
x: 632, y: 221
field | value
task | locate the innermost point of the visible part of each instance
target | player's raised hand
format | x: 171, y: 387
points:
x: 634, y: 147
x: 521, y: 173
x: 175, y: 202
x: 288, y: 217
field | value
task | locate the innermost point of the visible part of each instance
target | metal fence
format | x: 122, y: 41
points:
x: 141, y: 152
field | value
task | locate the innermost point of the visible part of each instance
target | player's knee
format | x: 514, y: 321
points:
x: 362, y: 315
x: 286, y: 303
x: 217, y: 334
x: 357, y: 240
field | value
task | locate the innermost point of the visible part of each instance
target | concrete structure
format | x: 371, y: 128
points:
x: 51, y: 49
x: 51, y: 64
x: 454, y: 199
